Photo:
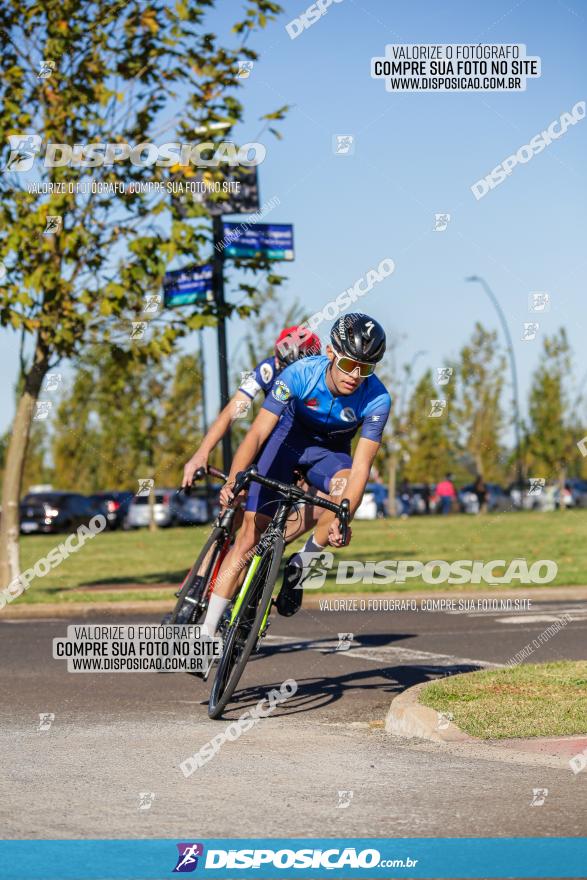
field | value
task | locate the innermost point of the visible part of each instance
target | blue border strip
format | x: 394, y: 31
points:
x: 435, y: 858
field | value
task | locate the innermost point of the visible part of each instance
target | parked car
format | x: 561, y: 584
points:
x: 578, y: 490
x: 418, y: 503
x: 139, y: 511
x: 519, y: 493
x: 114, y: 506
x: 367, y: 509
x: 497, y: 499
x: 48, y: 512
x: 193, y: 509
x: 568, y: 497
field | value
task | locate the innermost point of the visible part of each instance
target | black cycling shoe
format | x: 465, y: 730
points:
x: 289, y: 600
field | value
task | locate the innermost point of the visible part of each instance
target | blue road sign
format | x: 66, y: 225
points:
x: 271, y: 240
x: 187, y: 286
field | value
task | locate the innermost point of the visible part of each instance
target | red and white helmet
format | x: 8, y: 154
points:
x: 296, y: 342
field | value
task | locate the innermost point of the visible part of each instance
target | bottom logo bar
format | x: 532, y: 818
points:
x: 297, y: 857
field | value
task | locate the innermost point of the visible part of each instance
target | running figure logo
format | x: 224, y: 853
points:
x: 316, y: 567
x: 187, y: 859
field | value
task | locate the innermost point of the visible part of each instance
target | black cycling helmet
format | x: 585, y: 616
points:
x: 359, y: 337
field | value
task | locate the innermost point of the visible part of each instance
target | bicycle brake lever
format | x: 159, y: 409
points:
x: 239, y: 484
x: 344, y: 519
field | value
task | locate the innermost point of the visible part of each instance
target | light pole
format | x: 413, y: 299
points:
x: 512, y: 358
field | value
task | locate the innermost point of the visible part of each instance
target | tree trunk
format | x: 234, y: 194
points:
x: 562, y: 478
x: 14, y: 467
x: 152, y: 523
x: 391, y: 482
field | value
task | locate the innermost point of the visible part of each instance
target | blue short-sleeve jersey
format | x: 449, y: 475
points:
x: 260, y: 379
x: 302, y: 399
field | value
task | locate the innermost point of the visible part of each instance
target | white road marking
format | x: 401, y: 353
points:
x: 577, y: 612
x: 574, y: 612
x: 384, y: 654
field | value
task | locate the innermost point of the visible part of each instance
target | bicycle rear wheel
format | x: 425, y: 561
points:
x: 193, y: 593
x: 244, y: 631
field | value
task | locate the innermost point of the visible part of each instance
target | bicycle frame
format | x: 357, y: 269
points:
x: 277, y: 524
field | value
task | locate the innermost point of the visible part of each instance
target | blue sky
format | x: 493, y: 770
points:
x: 417, y: 154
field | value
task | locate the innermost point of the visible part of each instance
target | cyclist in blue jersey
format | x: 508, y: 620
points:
x: 307, y: 422
x: 291, y: 344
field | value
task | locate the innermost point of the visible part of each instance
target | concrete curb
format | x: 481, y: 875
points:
x: 76, y: 610
x: 311, y: 600
x: 407, y: 718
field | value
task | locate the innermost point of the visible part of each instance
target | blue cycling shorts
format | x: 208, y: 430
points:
x: 286, y: 451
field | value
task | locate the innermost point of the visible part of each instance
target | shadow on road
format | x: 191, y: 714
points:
x: 316, y: 692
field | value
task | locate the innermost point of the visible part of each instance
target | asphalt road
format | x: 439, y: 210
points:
x: 321, y: 765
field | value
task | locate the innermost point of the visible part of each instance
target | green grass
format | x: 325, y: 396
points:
x: 546, y: 699
x: 163, y: 557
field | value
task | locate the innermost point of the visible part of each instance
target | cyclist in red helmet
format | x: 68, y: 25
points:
x: 292, y: 344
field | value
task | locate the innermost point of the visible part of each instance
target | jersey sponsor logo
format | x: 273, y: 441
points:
x: 312, y: 402
x: 250, y: 385
x: 348, y: 414
x: 280, y: 391
x: 266, y: 373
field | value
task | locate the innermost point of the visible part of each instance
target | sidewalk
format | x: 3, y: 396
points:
x: 312, y: 600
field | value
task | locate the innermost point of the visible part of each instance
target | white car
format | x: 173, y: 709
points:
x: 139, y: 511
x: 367, y: 509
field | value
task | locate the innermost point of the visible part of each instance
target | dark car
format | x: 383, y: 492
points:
x: 195, y: 509
x: 578, y: 490
x: 114, y: 506
x: 497, y: 499
x: 47, y: 512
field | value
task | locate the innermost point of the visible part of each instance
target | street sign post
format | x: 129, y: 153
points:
x: 242, y: 196
x: 274, y: 241
x: 230, y: 191
x: 187, y: 286
x: 218, y: 281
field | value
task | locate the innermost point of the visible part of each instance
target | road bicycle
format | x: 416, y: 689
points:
x: 249, y: 615
x: 194, y: 594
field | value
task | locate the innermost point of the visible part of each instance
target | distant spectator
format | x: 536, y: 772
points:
x: 447, y: 493
x: 426, y: 497
x: 480, y: 490
x: 405, y: 497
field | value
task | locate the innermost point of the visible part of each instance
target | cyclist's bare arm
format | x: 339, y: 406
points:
x: 327, y: 531
x: 217, y: 430
x: 247, y: 451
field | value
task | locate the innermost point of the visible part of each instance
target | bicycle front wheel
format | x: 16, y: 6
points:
x: 245, y: 627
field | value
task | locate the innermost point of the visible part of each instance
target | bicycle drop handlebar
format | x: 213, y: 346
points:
x: 200, y: 474
x: 294, y: 493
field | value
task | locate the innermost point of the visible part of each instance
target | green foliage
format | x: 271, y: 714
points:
x: 117, y: 69
x: 427, y: 443
x: 479, y: 378
x: 124, y: 420
x: 552, y: 430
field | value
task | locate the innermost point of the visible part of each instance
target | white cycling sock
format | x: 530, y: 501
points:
x: 215, y: 611
x: 311, y: 546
